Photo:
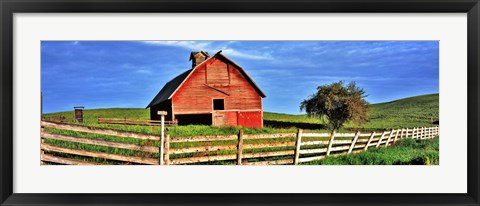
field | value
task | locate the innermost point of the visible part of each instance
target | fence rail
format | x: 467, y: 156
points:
x: 241, y: 149
x: 101, y: 131
x: 90, y: 141
x: 297, y: 151
x: 59, y: 119
x: 128, y: 121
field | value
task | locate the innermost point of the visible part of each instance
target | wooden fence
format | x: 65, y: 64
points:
x: 60, y: 119
x: 141, y: 122
x: 292, y: 148
x: 241, y: 149
x: 101, y: 131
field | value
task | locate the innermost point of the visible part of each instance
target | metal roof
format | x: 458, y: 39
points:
x: 169, y: 88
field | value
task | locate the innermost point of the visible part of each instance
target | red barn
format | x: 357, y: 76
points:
x: 216, y: 91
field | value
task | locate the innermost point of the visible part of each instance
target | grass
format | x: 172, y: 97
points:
x: 405, y: 152
x: 403, y: 113
x: 409, y: 112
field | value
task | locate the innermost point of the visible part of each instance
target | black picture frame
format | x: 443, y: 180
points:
x: 10, y: 7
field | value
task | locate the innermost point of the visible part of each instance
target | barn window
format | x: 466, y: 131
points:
x: 218, y: 104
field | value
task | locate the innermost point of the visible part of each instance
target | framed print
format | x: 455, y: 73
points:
x: 247, y: 103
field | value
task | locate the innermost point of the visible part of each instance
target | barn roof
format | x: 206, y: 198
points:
x: 172, y: 86
x: 169, y: 88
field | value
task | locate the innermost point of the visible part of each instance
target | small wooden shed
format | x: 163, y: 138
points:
x: 215, y: 91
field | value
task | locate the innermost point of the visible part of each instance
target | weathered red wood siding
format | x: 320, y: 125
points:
x: 250, y: 119
x: 232, y: 119
x: 196, y: 95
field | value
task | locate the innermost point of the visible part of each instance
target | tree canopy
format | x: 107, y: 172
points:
x: 339, y: 103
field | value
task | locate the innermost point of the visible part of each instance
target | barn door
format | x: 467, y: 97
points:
x: 219, y: 119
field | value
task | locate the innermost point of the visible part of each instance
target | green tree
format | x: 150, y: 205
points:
x: 339, y: 103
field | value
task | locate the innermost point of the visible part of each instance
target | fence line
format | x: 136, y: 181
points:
x: 129, y: 121
x: 59, y: 119
x: 134, y: 159
x: 101, y: 131
x: 296, y: 151
x: 98, y: 142
x: 241, y: 149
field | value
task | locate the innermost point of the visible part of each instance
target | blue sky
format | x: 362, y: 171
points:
x: 128, y: 74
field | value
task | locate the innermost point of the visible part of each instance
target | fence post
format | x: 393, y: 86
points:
x: 240, y: 147
x: 41, y: 143
x: 298, y: 143
x: 396, y: 135
x: 413, y: 132
x: 423, y: 134
x: 357, y: 134
x: 427, y: 135
x: 380, y: 140
x: 389, y: 137
x: 162, y: 132
x: 330, y: 143
x: 166, y: 158
x: 369, y: 141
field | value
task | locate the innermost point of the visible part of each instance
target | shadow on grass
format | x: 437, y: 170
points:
x: 301, y: 125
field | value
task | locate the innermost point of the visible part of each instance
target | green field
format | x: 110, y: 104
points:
x: 405, y: 152
x: 410, y: 112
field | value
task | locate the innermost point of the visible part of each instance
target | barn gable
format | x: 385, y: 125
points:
x: 167, y: 92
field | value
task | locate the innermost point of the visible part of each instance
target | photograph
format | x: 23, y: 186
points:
x: 239, y: 102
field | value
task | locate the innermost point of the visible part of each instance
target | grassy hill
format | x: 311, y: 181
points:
x: 409, y: 112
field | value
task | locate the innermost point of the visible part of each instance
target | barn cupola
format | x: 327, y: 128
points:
x: 198, y: 57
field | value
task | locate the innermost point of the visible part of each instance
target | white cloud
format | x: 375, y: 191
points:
x: 193, y: 45
x: 236, y: 53
x: 207, y: 46
x: 144, y: 71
